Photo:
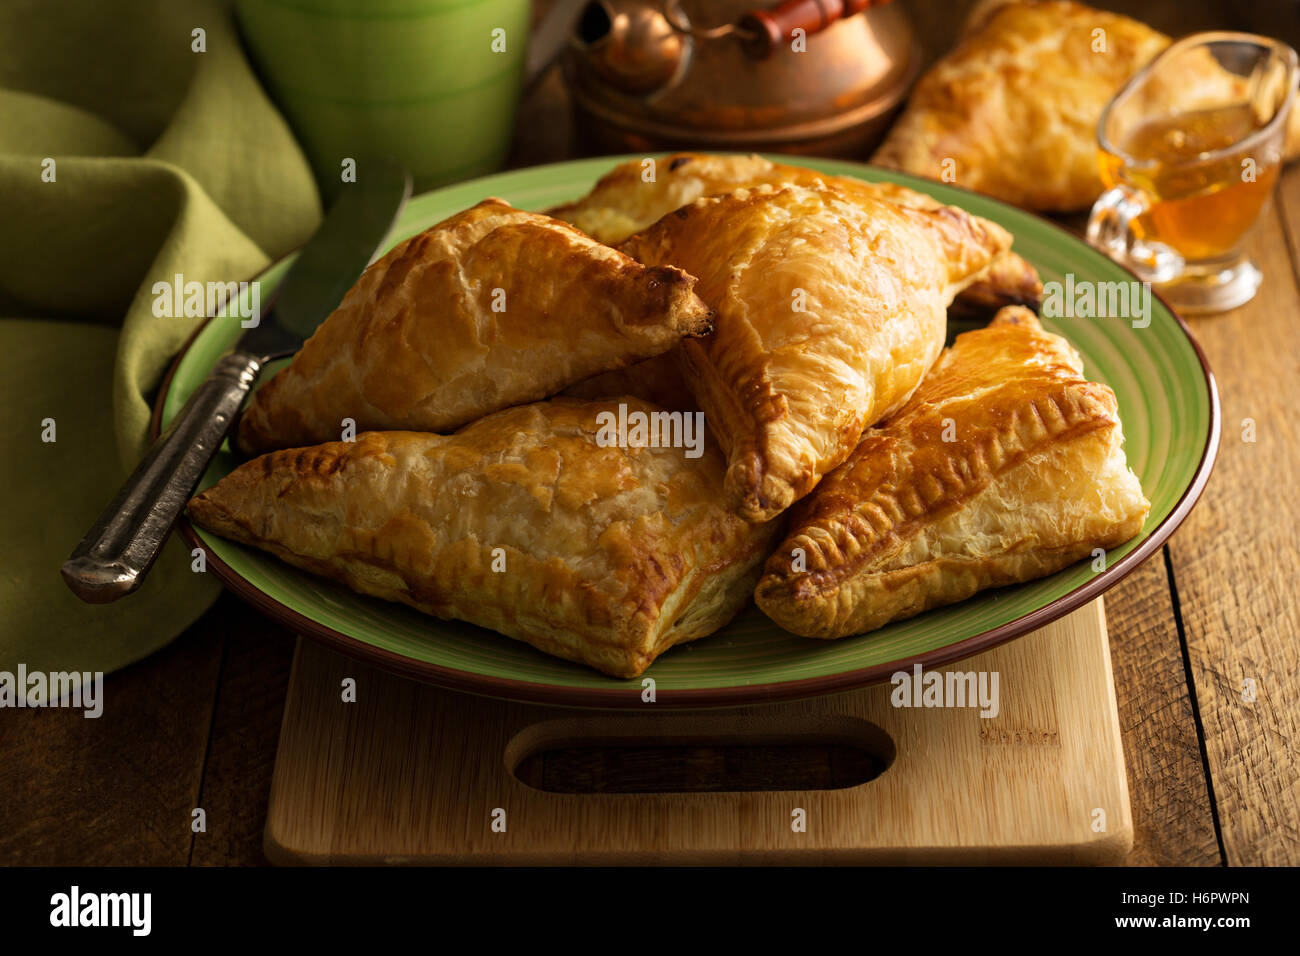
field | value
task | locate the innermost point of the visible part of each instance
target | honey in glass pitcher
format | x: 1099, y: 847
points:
x: 1204, y: 195
x: 1190, y: 149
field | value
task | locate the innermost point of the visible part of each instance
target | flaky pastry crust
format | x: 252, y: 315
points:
x: 490, y: 308
x: 828, y: 312
x: 1006, y: 465
x: 657, y: 380
x: 611, y: 555
x: 623, y: 202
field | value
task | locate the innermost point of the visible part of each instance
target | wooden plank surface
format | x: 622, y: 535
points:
x: 119, y: 789
x: 245, y: 726
x: 1172, y: 816
x: 1236, y: 562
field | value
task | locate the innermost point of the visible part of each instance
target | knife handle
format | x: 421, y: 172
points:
x: 115, y: 555
x: 768, y: 29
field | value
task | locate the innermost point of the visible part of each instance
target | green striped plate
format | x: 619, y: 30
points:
x: 1166, y: 395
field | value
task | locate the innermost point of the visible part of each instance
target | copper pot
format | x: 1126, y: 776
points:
x: 805, y: 76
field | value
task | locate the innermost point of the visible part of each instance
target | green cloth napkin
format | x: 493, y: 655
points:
x: 166, y: 160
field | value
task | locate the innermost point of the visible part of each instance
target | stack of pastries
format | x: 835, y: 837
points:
x: 853, y: 471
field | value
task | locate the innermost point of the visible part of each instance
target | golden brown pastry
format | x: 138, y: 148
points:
x: 1006, y: 465
x: 657, y: 380
x: 828, y: 312
x: 1009, y: 280
x: 519, y: 522
x: 1015, y: 106
x: 623, y: 202
x: 493, y: 307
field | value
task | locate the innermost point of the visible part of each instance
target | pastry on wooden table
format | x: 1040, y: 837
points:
x: 490, y: 308
x: 520, y: 522
x: 1013, y: 110
x: 1006, y: 465
x: 624, y: 202
x: 828, y: 312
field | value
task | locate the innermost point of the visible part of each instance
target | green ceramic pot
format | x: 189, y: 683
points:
x: 432, y: 83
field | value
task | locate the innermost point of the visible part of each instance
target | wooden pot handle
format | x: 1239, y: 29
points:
x: 766, y: 29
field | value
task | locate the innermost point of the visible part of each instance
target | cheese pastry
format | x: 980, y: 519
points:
x: 1013, y: 109
x: 493, y: 307
x: 828, y: 312
x: 520, y: 522
x: 1006, y: 465
x: 623, y: 203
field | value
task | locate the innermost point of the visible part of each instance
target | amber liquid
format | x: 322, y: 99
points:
x: 1201, y: 208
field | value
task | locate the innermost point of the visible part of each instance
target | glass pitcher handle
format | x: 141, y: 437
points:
x: 1110, y: 229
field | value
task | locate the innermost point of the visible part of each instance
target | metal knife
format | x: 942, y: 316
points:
x: 115, y: 555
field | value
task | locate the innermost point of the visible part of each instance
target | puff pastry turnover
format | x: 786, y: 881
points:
x: 1033, y: 480
x: 493, y: 307
x: 1016, y: 104
x: 828, y: 312
x: 623, y: 203
x: 611, y: 554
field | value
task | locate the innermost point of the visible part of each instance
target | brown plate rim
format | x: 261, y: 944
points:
x: 627, y: 694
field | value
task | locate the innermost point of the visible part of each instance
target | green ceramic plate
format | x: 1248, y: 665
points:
x: 1166, y: 395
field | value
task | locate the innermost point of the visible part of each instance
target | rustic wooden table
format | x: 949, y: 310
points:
x: 1214, y: 779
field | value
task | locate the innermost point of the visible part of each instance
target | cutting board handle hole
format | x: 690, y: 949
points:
x: 685, y: 754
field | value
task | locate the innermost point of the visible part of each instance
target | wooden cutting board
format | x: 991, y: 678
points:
x: 411, y: 774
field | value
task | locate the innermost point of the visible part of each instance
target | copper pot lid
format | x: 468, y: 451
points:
x: 724, y: 72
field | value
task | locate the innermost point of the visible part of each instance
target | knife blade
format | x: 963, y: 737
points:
x: 116, y: 554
